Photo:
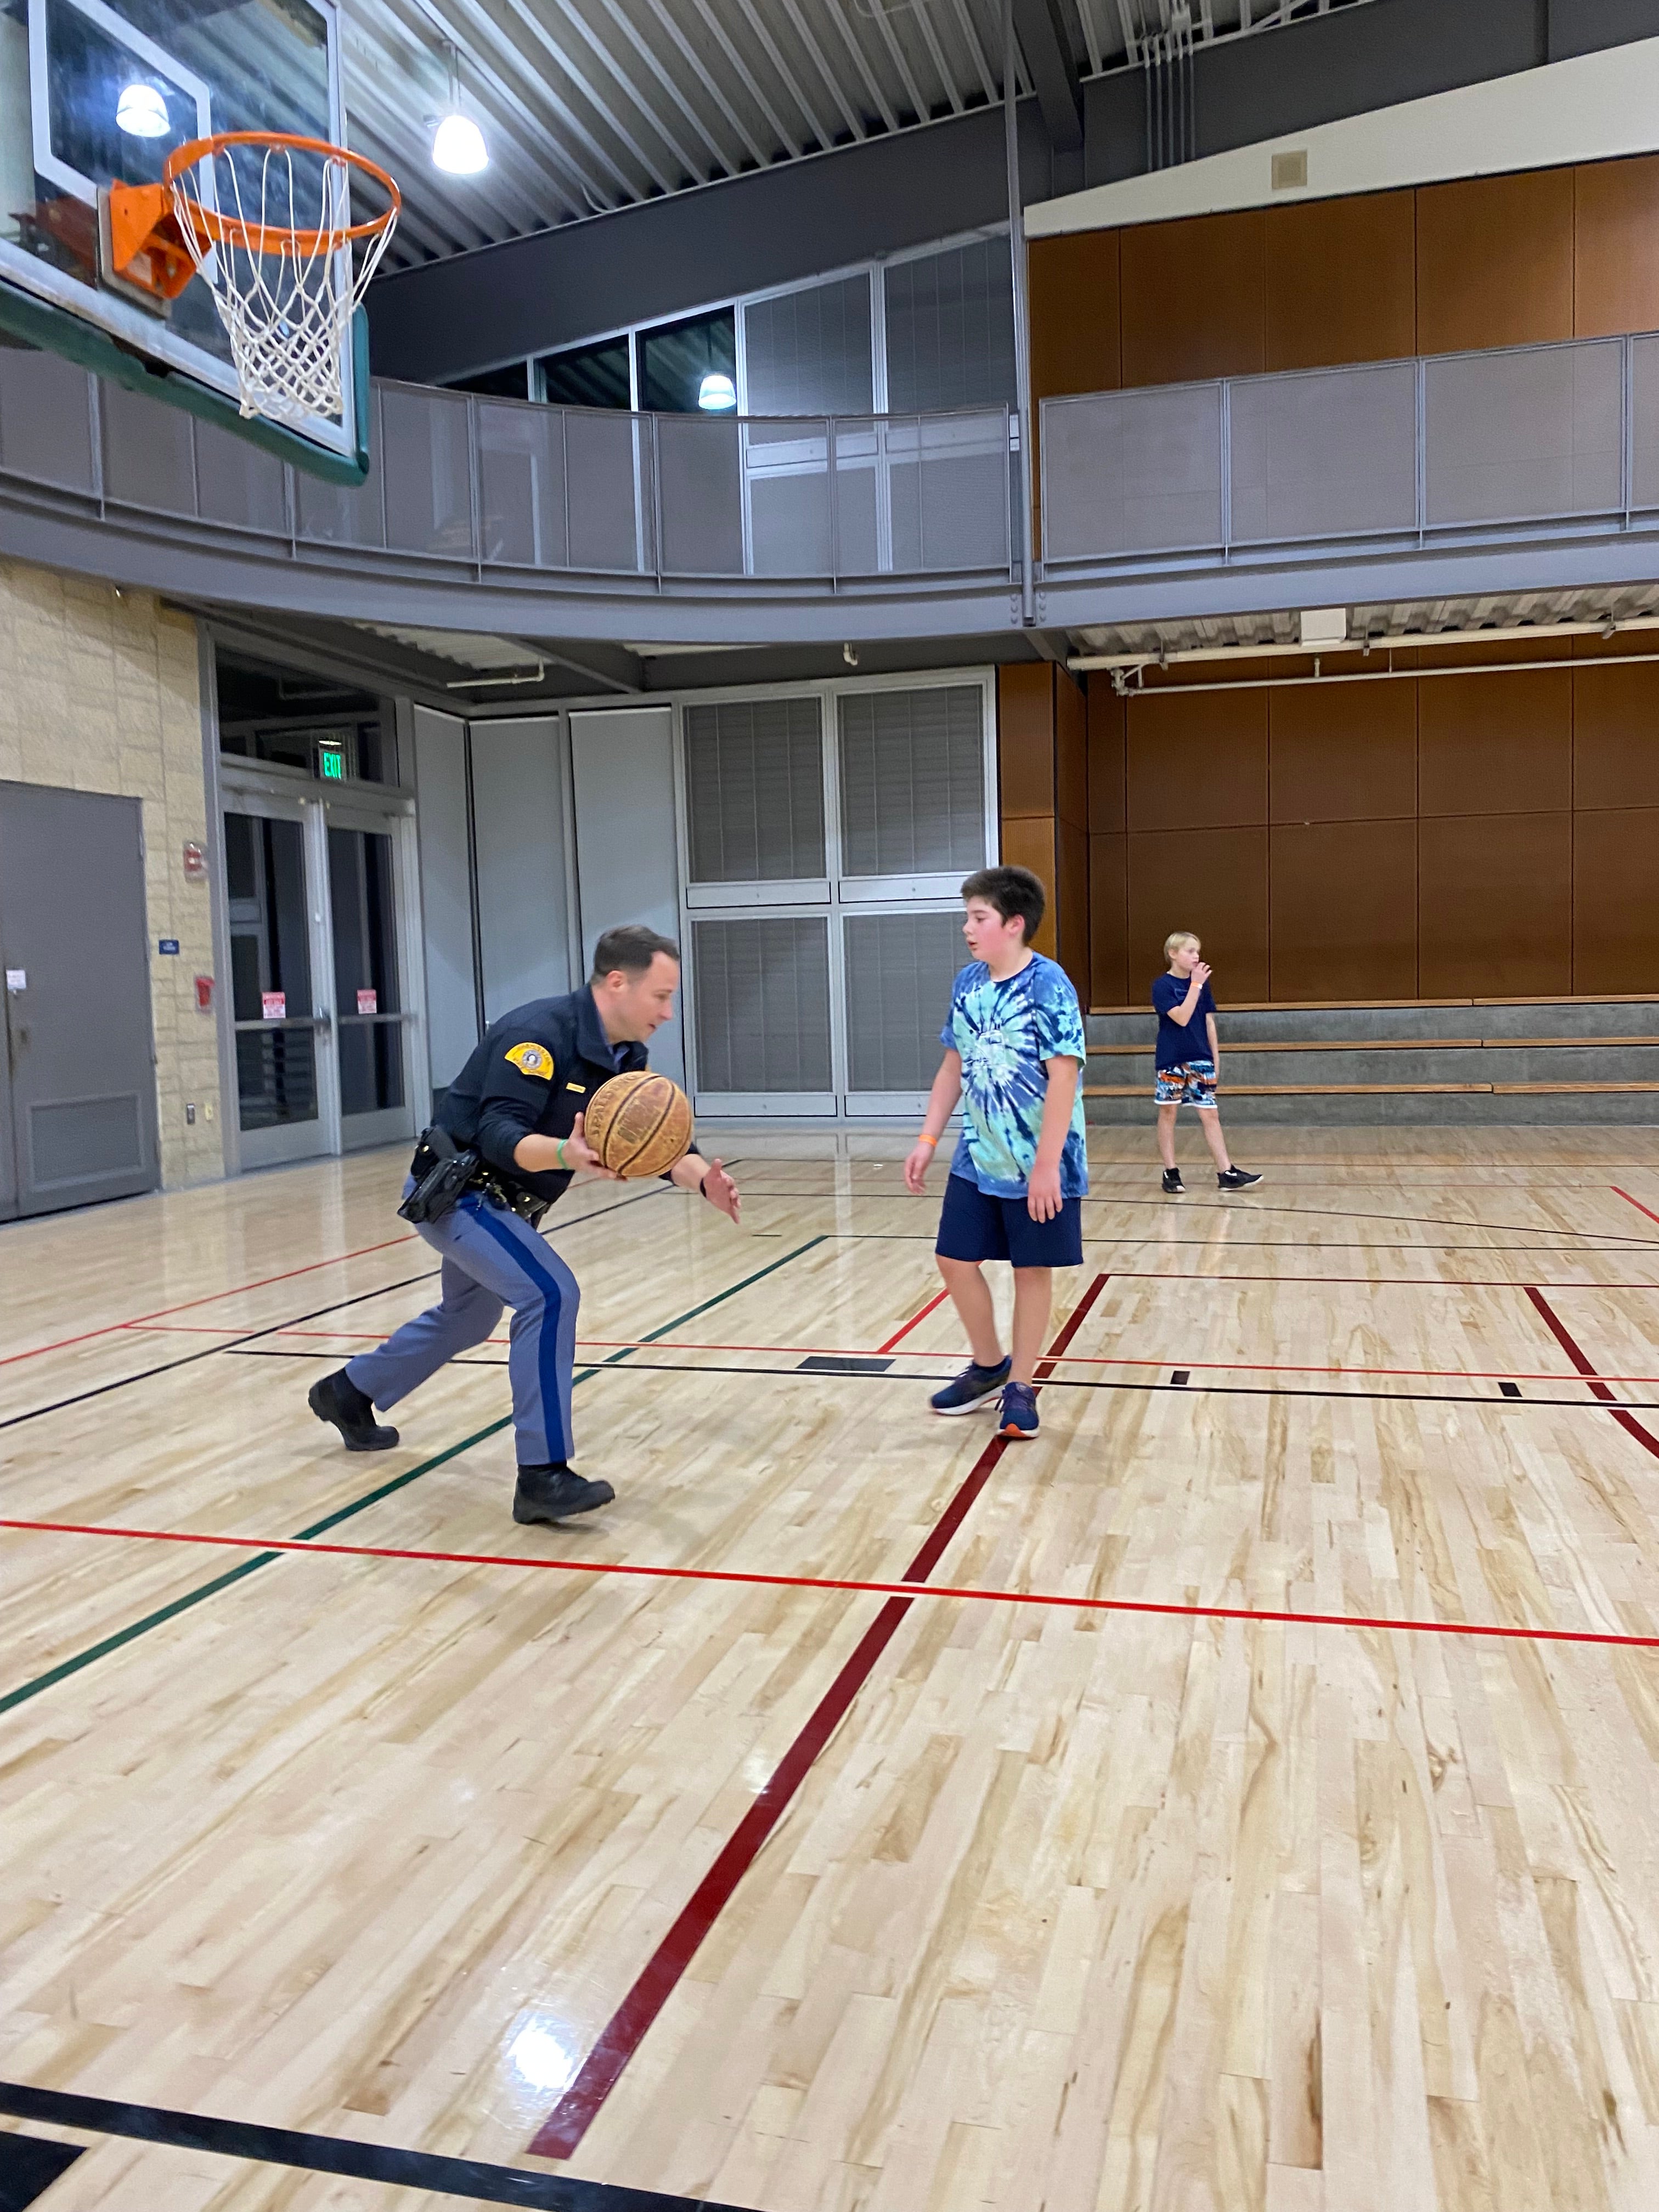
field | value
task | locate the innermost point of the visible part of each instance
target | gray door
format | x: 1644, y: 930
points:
x: 626, y: 855
x: 78, y: 1040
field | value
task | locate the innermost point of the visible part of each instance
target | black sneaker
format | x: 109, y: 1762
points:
x: 1173, y: 1186
x: 971, y: 1388
x: 338, y: 1399
x: 1237, y: 1179
x: 555, y: 1491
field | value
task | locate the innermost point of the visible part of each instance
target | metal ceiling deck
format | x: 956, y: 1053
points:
x: 592, y: 104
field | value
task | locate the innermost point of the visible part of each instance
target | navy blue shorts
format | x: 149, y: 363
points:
x: 973, y: 1226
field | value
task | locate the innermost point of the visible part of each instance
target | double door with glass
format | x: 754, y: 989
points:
x: 318, y: 999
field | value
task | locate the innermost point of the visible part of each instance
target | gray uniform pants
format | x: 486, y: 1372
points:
x: 492, y: 1258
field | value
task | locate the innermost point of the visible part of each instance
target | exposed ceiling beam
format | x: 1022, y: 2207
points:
x: 1048, y: 63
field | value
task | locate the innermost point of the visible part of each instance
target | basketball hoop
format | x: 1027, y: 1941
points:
x: 285, y: 294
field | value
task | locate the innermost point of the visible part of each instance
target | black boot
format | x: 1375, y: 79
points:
x: 553, y: 1492
x: 338, y: 1399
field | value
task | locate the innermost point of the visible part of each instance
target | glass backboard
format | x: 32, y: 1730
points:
x: 97, y: 92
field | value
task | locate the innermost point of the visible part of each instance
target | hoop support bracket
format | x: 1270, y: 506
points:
x: 144, y: 244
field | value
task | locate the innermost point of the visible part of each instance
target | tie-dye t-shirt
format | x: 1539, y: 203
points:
x: 1005, y: 1032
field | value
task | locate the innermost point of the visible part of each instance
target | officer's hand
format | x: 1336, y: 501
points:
x: 719, y: 1190
x: 579, y: 1153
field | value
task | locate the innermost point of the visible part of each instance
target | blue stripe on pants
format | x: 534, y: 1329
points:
x: 492, y: 1258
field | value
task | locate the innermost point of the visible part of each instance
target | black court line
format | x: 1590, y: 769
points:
x: 473, y: 2178
x: 252, y: 1336
x: 1221, y: 1245
x: 171, y: 1610
x: 1180, y: 1383
x: 1248, y: 1204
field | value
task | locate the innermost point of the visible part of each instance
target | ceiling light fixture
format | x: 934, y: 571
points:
x: 717, y: 394
x: 142, y: 112
x: 458, y: 145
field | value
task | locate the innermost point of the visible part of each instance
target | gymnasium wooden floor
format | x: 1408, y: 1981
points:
x: 1068, y: 1875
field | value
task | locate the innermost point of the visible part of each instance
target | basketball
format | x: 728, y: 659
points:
x: 639, y: 1124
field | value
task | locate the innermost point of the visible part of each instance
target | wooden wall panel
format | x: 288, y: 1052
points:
x: 1108, y: 920
x: 1342, y: 281
x: 1068, y: 894
x: 1213, y: 882
x: 1616, y: 247
x: 1615, y: 735
x: 1494, y: 905
x: 1615, y: 900
x: 1495, y: 744
x: 1075, y: 340
x: 1343, y: 910
x: 1107, y: 797
x: 1195, y: 298
x: 1344, y: 755
x: 1028, y: 841
x: 1025, y: 738
x: 1198, y: 759
x: 1071, y: 750
x: 1494, y: 261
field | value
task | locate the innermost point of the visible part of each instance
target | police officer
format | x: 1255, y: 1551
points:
x: 517, y: 1106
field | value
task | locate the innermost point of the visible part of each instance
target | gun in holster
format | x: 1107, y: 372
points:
x: 442, y: 1169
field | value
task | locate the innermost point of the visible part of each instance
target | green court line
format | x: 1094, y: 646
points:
x: 171, y: 1611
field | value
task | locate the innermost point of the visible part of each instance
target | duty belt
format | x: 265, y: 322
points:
x: 500, y: 1192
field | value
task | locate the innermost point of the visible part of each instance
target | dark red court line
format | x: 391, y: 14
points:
x: 1598, y: 1387
x: 113, y: 1327
x: 747, y: 1578
x: 1635, y: 1202
x: 898, y: 1335
x: 1365, y: 1282
x: 576, y: 2112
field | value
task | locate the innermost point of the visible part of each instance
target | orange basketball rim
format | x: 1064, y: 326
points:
x: 160, y: 233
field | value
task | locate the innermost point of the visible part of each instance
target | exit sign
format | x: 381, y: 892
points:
x: 331, y: 763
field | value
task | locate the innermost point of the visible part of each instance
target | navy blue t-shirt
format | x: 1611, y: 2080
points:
x: 1176, y: 1042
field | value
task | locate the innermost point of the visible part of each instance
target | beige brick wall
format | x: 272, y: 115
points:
x: 101, y: 690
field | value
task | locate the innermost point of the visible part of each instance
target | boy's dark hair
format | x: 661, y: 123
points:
x: 1012, y: 891
x: 632, y: 947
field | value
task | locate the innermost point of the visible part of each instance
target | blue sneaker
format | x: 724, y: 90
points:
x: 971, y: 1388
x: 1017, y: 1416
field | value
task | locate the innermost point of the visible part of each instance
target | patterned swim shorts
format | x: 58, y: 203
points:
x: 1191, y: 1083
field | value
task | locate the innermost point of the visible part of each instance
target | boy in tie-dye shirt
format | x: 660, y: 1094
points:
x: 1014, y: 1054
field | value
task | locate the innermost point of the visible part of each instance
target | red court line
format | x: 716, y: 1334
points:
x: 113, y: 1327
x: 897, y: 1336
x: 1597, y: 1383
x: 571, y: 2118
x: 746, y: 1578
x: 1635, y: 1202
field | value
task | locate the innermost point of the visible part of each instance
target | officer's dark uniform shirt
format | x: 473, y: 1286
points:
x: 531, y: 1074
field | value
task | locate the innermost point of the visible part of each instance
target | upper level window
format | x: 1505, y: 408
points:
x: 587, y: 376
x: 689, y: 367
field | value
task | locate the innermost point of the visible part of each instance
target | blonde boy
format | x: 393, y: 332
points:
x: 1187, y: 1053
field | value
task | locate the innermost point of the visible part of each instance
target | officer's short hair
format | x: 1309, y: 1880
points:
x: 632, y: 948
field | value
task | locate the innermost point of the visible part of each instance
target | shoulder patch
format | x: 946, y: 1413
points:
x: 531, y: 1060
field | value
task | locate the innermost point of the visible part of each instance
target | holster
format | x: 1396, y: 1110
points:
x: 442, y: 1171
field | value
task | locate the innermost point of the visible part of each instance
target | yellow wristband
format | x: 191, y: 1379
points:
x: 925, y: 1139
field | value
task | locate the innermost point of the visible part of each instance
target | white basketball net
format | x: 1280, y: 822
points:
x: 287, y: 310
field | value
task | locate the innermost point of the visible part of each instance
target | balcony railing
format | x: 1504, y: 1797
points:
x: 1395, y: 478
x: 1411, y: 452
x: 502, y: 485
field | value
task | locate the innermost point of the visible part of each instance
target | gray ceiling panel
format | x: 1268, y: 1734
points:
x: 591, y: 104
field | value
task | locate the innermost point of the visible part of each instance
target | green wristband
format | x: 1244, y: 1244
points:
x: 563, y: 1165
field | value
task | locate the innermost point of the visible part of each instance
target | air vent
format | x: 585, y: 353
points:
x: 1291, y: 171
